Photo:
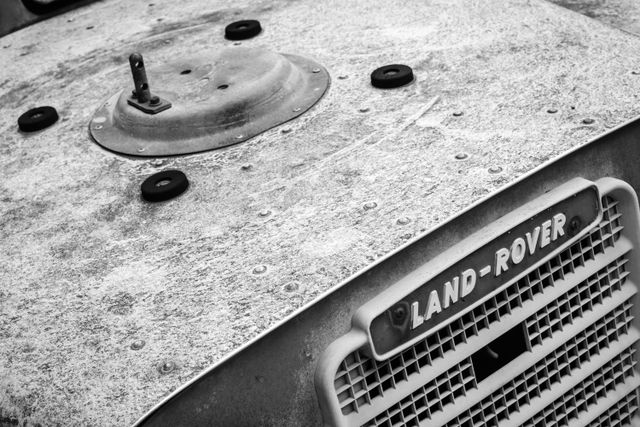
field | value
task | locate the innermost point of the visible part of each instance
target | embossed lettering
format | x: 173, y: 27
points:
x: 518, y: 250
x: 433, y: 307
x: 451, y: 290
x: 502, y: 257
x: 468, y: 282
x: 545, y: 237
x: 558, y: 221
x: 532, y: 240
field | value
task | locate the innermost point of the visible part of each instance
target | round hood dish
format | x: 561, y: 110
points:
x: 214, y: 102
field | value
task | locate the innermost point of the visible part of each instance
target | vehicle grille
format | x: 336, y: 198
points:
x: 549, y: 303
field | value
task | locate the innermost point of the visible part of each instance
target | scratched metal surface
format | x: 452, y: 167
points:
x: 88, y: 268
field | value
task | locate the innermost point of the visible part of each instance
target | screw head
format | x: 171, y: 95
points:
x: 291, y: 287
x: 495, y: 169
x: 588, y: 121
x: 552, y: 111
x: 575, y: 224
x: 399, y: 313
x: 403, y: 221
x: 137, y: 345
x: 167, y: 367
x: 370, y: 205
x: 155, y: 100
x: 457, y: 113
x: 461, y: 156
x: 259, y: 269
x: 264, y: 212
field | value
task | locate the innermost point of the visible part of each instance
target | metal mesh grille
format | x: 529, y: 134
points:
x: 574, y: 303
x: 548, y: 371
x: 594, y: 387
x: 430, y: 398
x: 619, y: 414
x: 361, y: 379
x: 541, y: 326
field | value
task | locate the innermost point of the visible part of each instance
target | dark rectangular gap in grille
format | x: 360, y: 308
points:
x: 499, y: 352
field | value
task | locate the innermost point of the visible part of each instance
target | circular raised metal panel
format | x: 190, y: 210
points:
x: 217, y: 101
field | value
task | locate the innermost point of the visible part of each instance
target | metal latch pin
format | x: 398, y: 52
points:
x: 143, y: 93
x: 141, y: 97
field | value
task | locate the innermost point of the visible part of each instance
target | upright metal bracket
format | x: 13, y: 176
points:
x: 141, y: 97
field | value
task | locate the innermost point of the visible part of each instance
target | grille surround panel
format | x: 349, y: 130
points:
x: 361, y: 383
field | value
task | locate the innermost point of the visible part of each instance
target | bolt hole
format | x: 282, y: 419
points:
x: 163, y: 182
x: 144, y: 86
x: 399, y: 313
x: 223, y: 87
x: 187, y: 71
x: 391, y: 72
x: 139, y: 64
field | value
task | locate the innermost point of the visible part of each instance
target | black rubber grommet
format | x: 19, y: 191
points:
x: 390, y: 76
x: 164, y: 185
x: 37, y: 119
x: 241, y: 30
